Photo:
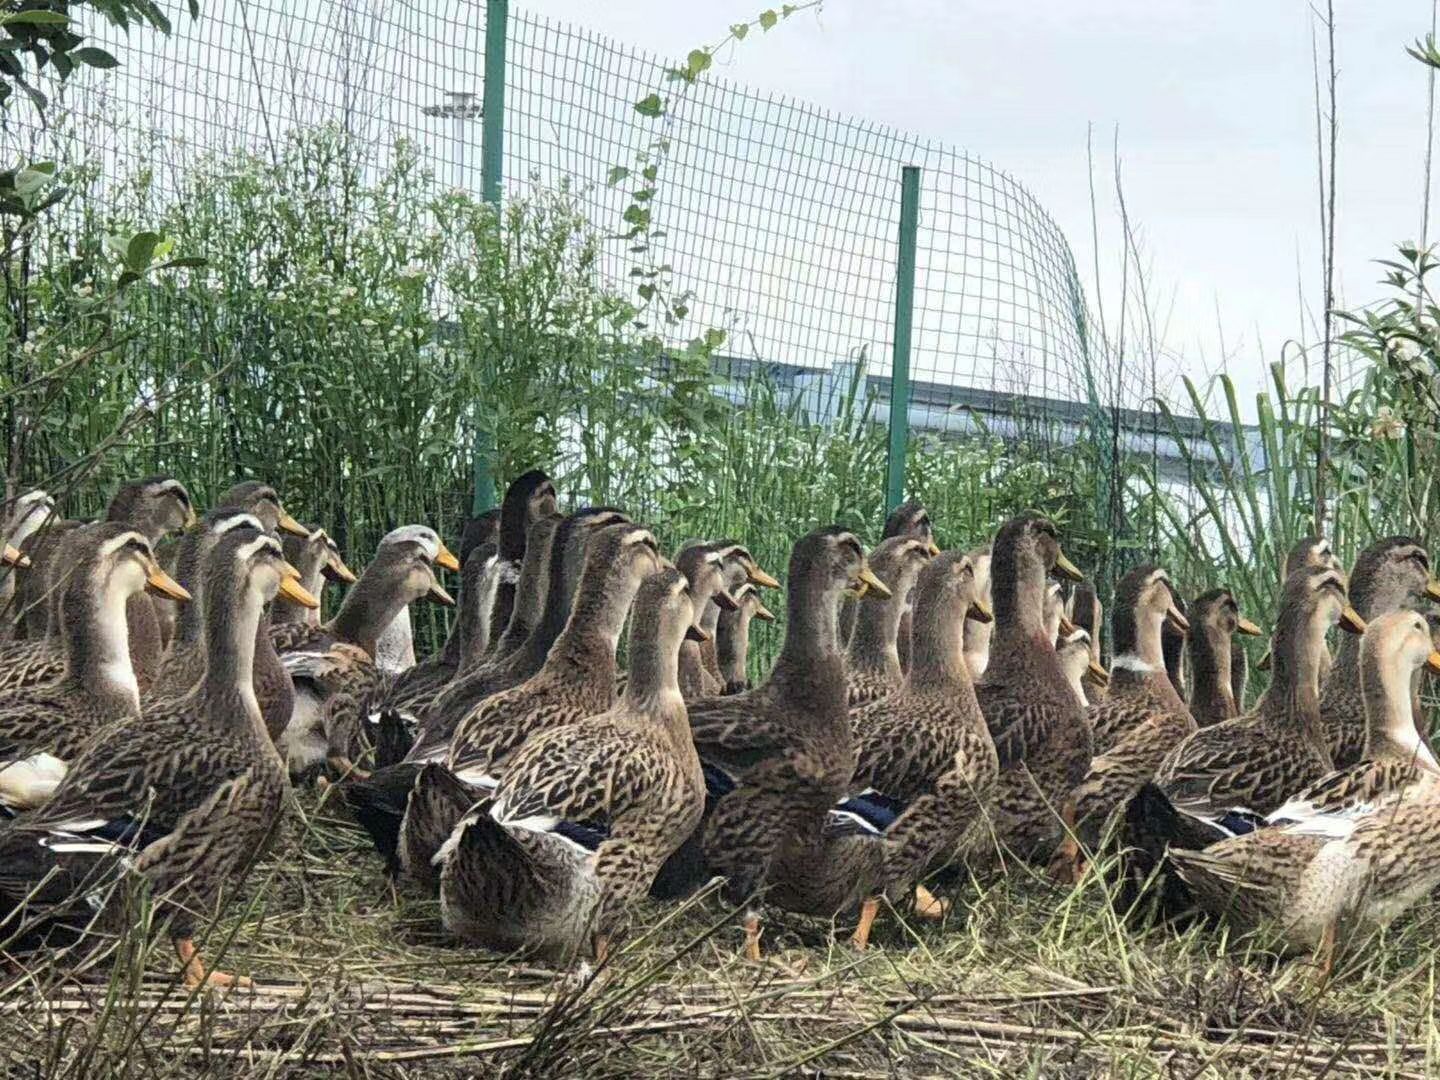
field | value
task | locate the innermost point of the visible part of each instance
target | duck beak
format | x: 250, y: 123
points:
x: 1351, y: 622
x: 336, y: 570
x: 1433, y: 661
x: 1067, y: 569
x: 190, y: 517
x: 757, y: 576
x: 1432, y: 589
x: 159, y: 583
x: 980, y: 611
x: 724, y: 601
x: 1176, y: 621
x: 288, y: 569
x: 870, y: 583
x: 697, y: 633
x: 933, y: 548
x: 1248, y: 628
x: 444, y: 557
x: 1098, y: 675
x: 290, y: 525
x: 1067, y: 627
x: 1265, y: 661
x: 15, y: 557
x: 292, y: 591
x: 763, y: 613
x: 439, y: 596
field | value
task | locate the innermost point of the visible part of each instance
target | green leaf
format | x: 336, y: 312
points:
x: 768, y: 19
x: 616, y: 174
x: 739, y: 30
x: 140, y: 250
x: 651, y: 105
x: 184, y: 262
x: 36, y: 17
x: 698, y: 61
x: 96, y: 58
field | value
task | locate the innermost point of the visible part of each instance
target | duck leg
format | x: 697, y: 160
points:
x: 196, y: 974
x: 751, y: 922
x: 868, y: 910
x: 928, y: 905
x: 1067, y: 865
x: 1325, y: 955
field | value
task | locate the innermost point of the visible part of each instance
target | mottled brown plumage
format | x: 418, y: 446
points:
x: 192, y: 790
x: 732, y: 630
x: 1040, y: 733
x: 1257, y: 761
x: 630, y: 774
x: 1215, y: 619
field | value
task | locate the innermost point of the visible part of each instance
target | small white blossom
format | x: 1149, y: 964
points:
x: 413, y: 270
x: 332, y: 312
x: 1386, y: 425
x: 348, y: 292
x: 367, y: 322
x: 278, y: 296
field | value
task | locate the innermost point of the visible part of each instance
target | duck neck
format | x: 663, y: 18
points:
x: 1020, y: 628
x: 1294, y: 697
x: 1139, y: 662
x: 190, y: 626
x: 937, y: 655
x: 601, y: 604
x: 232, y: 626
x: 977, y: 646
x: 1212, y: 689
x: 1391, y: 734
x: 367, y: 612
x: 97, y: 644
x: 732, y: 646
x: 877, y: 626
x: 530, y: 592
x: 811, y: 626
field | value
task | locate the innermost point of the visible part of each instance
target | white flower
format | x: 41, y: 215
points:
x: 1386, y: 425
x: 332, y: 312
x: 348, y: 292
x: 28, y: 347
x: 84, y: 290
x: 367, y: 322
x: 412, y: 270
x: 278, y: 296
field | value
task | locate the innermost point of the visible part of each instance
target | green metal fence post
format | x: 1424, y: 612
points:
x: 904, y: 319
x: 492, y: 171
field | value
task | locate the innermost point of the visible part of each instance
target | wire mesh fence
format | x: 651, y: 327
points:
x: 779, y: 219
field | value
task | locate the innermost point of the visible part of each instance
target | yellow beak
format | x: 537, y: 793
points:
x: 338, y: 570
x: 757, y: 576
x: 289, y: 570
x: 934, y: 548
x: 1433, y: 661
x: 1432, y: 589
x: 290, y: 525
x: 1067, y: 627
x: 446, y: 559
x: 1067, y: 569
x: 295, y: 593
x: 764, y: 614
x: 1177, y: 621
x: 1265, y: 661
x: 1098, y: 675
x: 1351, y: 621
x: 1248, y: 628
x: 191, y: 518
x: 980, y: 611
x: 15, y: 557
x: 160, y: 583
x: 440, y: 596
x: 873, y: 584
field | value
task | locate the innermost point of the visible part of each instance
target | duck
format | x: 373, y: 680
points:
x: 732, y: 635
x: 1308, y: 551
x: 184, y: 663
x: 873, y: 665
x: 546, y: 608
x: 184, y: 797
x: 332, y: 665
x: 1041, y: 736
x: 42, y: 727
x: 704, y: 567
x: 1391, y: 574
x: 577, y: 680
x: 1215, y: 619
x: 395, y: 647
x: 1173, y: 648
x: 530, y: 497
x: 531, y: 590
x: 568, y: 843
x: 155, y: 506
x: 741, y: 570
x: 779, y: 757
x: 977, y: 634
x: 318, y: 558
x: 1140, y: 721
x: 925, y: 772
x: 1255, y: 762
x: 909, y: 520
x: 28, y: 513
x: 1077, y: 659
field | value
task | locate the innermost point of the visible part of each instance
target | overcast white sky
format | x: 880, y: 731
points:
x: 1214, y: 105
